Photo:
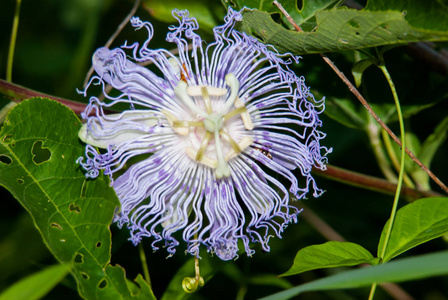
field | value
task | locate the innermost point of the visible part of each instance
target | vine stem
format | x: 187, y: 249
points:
x: 358, y: 95
x: 383, y: 68
x: 141, y: 252
x: 12, y: 44
x: 406, y: 179
x: 403, y: 156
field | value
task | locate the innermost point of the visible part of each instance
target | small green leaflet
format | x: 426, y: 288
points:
x: 329, y: 255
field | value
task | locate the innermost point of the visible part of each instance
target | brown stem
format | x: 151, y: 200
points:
x: 372, y: 183
x: 19, y: 93
x: 369, y: 109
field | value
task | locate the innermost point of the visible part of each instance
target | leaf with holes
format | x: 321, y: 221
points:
x: 38, y: 150
x: 303, y: 16
x: 383, y: 22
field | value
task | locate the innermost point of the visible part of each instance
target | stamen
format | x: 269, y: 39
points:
x: 231, y: 141
x: 235, y: 112
x: 204, y: 144
x: 181, y: 92
x: 245, y: 142
x: 172, y: 119
x: 196, y: 90
x: 223, y: 169
x: 205, y: 159
x: 177, y: 124
x: 206, y: 97
x: 247, y: 121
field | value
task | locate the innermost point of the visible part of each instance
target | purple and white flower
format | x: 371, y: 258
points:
x: 228, y: 135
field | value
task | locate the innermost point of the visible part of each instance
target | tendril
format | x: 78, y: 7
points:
x: 191, y: 284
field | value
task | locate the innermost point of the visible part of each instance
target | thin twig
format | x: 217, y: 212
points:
x: 290, y: 19
x: 370, y: 110
x: 382, y: 124
x: 114, y: 36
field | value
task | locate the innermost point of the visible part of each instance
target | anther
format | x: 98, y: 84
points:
x: 181, y: 92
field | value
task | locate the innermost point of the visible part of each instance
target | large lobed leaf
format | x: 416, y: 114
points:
x: 38, y: 150
x: 381, y: 23
x: 415, y: 224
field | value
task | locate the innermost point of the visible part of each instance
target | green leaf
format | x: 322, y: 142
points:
x: 329, y: 255
x: 304, y: 17
x: 13, y: 248
x: 146, y: 291
x: 415, y: 224
x: 433, y: 142
x: 359, y: 68
x: 269, y: 280
x: 412, y: 268
x: 434, y: 12
x: 36, y: 285
x: 347, y: 29
x: 208, y: 15
x: 388, y: 112
x: 39, y: 147
x: 345, y: 112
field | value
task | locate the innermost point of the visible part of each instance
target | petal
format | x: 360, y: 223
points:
x: 118, y: 128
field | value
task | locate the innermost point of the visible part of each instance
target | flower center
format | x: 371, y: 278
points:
x: 209, y: 128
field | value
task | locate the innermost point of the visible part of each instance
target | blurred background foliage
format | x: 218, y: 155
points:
x: 54, y: 46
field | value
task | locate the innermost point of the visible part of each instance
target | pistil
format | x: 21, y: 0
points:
x: 213, y: 123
